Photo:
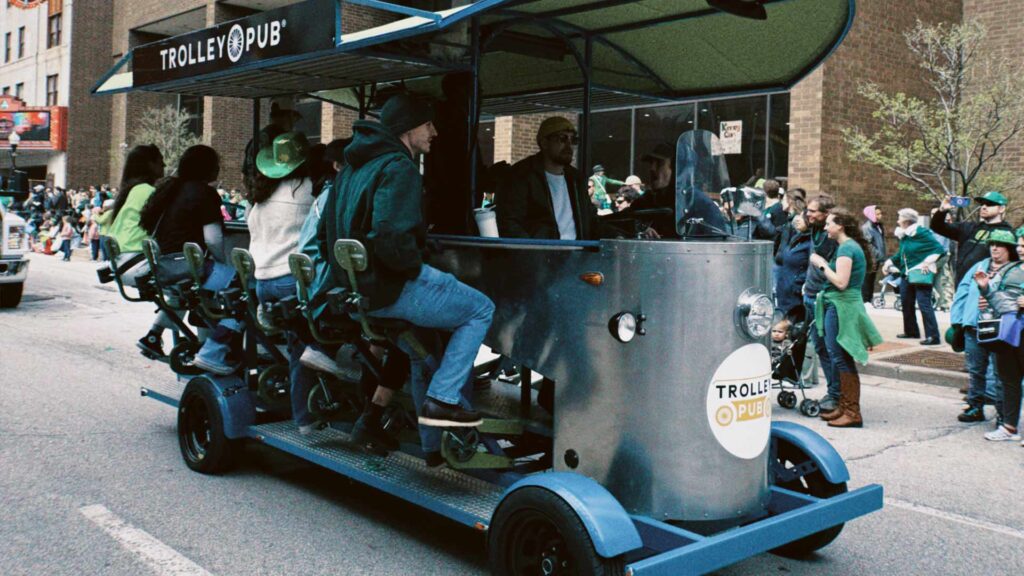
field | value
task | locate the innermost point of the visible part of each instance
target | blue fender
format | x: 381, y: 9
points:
x: 237, y: 409
x: 820, y: 450
x: 609, y: 526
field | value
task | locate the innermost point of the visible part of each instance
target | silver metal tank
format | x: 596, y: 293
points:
x: 674, y: 423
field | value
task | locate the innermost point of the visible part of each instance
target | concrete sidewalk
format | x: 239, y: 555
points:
x: 906, y: 359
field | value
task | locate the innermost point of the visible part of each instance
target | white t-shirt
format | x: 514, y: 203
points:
x: 559, y: 190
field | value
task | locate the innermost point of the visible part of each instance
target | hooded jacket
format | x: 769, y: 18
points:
x: 377, y: 199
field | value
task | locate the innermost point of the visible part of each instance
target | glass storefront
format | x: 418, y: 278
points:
x: 754, y: 134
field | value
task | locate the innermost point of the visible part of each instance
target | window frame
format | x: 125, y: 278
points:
x: 7, y: 47
x: 55, y: 93
x: 21, y: 42
x: 19, y: 90
x: 53, y: 33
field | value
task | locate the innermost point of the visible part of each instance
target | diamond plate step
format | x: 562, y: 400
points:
x: 166, y: 390
x: 463, y: 498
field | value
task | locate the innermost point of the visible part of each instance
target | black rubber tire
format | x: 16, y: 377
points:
x: 204, y: 447
x: 181, y: 358
x: 814, y: 484
x: 10, y: 294
x: 878, y: 302
x: 532, y: 521
x: 810, y: 408
x: 898, y: 304
x: 787, y: 399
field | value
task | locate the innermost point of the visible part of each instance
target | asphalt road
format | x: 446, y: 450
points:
x: 91, y: 481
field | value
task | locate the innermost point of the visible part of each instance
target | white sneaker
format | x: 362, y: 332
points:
x: 1001, y: 434
x: 317, y: 360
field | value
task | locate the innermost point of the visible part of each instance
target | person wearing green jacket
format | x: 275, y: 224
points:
x: 378, y: 201
x: 842, y: 321
x: 918, y: 252
x: 602, y: 199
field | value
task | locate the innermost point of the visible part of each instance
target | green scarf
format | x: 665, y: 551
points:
x: 857, y: 332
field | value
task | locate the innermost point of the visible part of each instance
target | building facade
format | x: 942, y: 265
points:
x: 35, y: 69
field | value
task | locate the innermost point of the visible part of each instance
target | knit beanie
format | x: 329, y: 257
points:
x: 402, y: 113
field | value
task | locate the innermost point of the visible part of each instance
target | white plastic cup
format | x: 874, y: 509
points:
x: 486, y: 222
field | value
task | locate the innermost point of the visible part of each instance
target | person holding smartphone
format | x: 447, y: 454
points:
x: 971, y: 237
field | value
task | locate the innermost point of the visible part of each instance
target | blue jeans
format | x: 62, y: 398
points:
x: 302, y: 379
x: 65, y: 247
x: 438, y: 300
x: 981, y: 365
x: 831, y: 378
x: 216, y: 348
x: 922, y: 296
x: 841, y: 359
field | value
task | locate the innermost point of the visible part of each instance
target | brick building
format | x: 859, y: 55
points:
x: 795, y: 134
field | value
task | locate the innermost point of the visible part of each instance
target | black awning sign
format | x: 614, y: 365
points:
x: 286, y: 31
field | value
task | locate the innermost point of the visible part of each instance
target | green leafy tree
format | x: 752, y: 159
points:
x: 950, y: 143
x: 168, y: 128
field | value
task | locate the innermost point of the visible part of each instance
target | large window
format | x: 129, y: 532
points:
x: 19, y: 90
x: 51, y: 90
x: 21, y: 42
x: 778, y: 136
x: 658, y: 126
x: 53, y: 27
x: 485, y: 142
x: 610, y: 135
x: 193, y: 105
x: 740, y: 125
x: 7, y: 47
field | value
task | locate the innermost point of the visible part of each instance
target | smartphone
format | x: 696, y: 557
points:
x: 959, y: 201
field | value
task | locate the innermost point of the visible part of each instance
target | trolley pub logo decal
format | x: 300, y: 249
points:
x: 739, y: 405
x: 290, y: 30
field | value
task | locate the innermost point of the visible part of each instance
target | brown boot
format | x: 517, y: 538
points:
x: 833, y: 414
x: 849, y: 391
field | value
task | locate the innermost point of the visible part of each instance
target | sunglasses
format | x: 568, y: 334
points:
x: 565, y: 139
x: 986, y: 203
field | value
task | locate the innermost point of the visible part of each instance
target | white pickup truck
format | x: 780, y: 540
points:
x: 13, y: 264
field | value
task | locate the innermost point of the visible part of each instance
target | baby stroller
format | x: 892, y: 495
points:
x: 889, y: 282
x: 786, y: 370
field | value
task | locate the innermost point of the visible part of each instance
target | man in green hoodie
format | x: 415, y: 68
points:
x: 378, y: 201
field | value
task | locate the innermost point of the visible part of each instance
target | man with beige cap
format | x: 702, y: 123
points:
x: 541, y: 197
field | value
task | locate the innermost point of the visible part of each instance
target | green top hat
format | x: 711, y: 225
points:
x: 1000, y: 236
x: 993, y: 197
x: 281, y: 158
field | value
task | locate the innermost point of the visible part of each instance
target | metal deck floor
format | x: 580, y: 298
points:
x: 167, y: 389
x: 458, y: 496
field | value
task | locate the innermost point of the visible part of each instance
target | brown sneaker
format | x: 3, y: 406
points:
x: 441, y: 415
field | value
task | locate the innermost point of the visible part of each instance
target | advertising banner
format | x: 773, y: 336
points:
x: 286, y: 31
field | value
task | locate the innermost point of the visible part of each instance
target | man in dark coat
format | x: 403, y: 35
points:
x: 378, y: 200
x: 971, y: 237
x: 541, y: 198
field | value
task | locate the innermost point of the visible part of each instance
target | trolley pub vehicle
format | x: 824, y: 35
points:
x: 661, y: 458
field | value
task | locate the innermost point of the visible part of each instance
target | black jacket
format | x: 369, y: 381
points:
x: 970, y: 237
x: 524, y: 207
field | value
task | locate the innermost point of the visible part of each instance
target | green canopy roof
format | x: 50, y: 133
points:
x: 641, y: 51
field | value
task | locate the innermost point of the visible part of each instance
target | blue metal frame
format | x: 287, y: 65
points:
x: 398, y: 9
x: 794, y: 516
x: 811, y: 443
x: 610, y: 528
x: 237, y: 406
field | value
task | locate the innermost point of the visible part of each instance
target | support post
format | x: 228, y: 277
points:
x: 474, y: 119
x: 584, y: 149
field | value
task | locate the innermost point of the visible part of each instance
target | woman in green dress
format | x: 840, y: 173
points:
x: 844, y: 324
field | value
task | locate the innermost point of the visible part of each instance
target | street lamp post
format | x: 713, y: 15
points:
x: 13, y: 139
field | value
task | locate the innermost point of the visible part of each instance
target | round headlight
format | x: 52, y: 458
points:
x: 755, y: 313
x: 623, y: 326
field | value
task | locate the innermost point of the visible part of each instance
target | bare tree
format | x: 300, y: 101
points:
x: 168, y: 128
x: 946, y: 145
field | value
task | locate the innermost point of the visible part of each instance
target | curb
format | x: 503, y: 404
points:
x: 917, y: 374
